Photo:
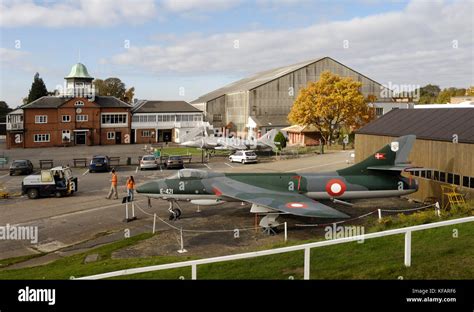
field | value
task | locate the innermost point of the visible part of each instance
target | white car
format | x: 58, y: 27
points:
x: 149, y: 162
x: 243, y: 157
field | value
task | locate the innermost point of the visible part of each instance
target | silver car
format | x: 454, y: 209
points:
x: 149, y: 162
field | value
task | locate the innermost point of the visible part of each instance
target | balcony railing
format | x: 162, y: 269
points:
x: 15, y: 126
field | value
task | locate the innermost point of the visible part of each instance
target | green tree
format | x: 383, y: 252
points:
x: 428, y: 94
x: 38, y: 89
x: 329, y: 104
x: 114, y: 87
x: 280, y: 141
x: 445, y: 95
x: 4, y: 110
x: 470, y: 91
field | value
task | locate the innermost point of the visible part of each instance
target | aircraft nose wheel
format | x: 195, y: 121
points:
x: 175, y: 213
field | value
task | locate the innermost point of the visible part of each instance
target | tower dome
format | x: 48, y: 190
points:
x: 79, y: 70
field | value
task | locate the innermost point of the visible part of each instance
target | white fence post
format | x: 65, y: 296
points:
x: 408, y: 248
x: 194, y: 272
x: 126, y: 211
x: 307, y: 261
x: 154, y: 223
x: 380, y: 214
x: 286, y: 231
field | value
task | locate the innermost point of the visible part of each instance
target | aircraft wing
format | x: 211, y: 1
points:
x: 288, y: 202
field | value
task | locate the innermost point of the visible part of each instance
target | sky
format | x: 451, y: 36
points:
x: 180, y: 50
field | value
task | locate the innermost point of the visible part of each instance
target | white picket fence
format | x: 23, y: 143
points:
x: 306, y: 247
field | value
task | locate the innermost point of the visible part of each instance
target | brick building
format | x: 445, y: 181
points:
x: 75, y: 117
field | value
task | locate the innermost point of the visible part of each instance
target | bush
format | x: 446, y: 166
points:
x: 280, y: 141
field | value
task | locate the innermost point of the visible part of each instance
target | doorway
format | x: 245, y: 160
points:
x: 118, y: 137
x: 80, y: 138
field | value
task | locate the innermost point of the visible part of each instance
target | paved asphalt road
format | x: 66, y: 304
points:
x: 71, y: 220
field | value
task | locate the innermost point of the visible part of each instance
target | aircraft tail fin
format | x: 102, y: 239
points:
x: 392, y: 157
x: 268, y: 138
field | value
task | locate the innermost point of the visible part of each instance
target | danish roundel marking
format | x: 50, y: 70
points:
x: 335, y: 187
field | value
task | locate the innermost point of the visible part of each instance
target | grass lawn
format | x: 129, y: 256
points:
x: 436, y: 254
x: 188, y: 151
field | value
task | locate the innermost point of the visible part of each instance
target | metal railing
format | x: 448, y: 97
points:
x: 306, y: 247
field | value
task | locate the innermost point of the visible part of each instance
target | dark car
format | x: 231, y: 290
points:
x: 174, y: 162
x: 21, y: 167
x: 99, y: 163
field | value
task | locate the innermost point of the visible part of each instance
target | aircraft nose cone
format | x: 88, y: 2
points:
x: 149, y: 187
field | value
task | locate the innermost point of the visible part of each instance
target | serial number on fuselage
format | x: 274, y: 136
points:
x: 166, y: 191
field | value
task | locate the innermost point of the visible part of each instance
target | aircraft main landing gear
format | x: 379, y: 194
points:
x: 175, y: 213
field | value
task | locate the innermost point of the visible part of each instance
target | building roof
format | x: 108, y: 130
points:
x: 300, y: 129
x: 79, y: 70
x: 437, y: 124
x: 164, y: 107
x: 465, y: 104
x: 271, y: 120
x: 259, y: 79
x: 55, y: 102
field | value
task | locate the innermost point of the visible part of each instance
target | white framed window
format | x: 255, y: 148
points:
x: 113, y: 118
x: 66, y: 136
x: 79, y: 103
x: 41, y: 119
x: 110, y: 135
x: 82, y: 118
x: 146, y: 133
x: 66, y: 118
x: 38, y: 138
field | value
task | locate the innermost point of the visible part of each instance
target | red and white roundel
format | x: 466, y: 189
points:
x: 296, y: 205
x: 335, y: 187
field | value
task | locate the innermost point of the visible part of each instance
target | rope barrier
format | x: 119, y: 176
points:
x: 406, y: 210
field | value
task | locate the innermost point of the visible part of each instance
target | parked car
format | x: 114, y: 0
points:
x: 99, y: 163
x: 149, y: 162
x: 243, y: 157
x: 174, y: 162
x: 22, y: 166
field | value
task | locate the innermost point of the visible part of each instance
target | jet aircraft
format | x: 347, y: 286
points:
x: 380, y: 175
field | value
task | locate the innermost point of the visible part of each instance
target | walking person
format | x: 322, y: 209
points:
x: 113, y: 185
x: 130, y: 187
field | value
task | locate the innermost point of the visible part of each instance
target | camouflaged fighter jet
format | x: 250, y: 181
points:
x: 292, y: 193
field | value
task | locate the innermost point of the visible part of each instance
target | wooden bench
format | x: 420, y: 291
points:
x: 78, y: 161
x: 49, y: 162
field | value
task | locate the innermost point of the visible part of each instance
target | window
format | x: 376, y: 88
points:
x: 146, y: 133
x: 428, y: 174
x: 110, y: 135
x: 416, y: 173
x: 38, y: 138
x: 379, y: 111
x: 450, y: 178
x: 66, y: 118
x: 41, y: 119
x: 82, y: 118
x: 465, y: 181
x: 66, y: 136
x: 79, y: 103
x: 457, y: 179
x: 436, y: 175
x: 472, y: 183
x: 217, y: 117
x: 442, y: 176
x: 116, y: 118
x: 423, y: 174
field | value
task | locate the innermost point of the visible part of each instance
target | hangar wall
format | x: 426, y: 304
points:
x: 444, y: 157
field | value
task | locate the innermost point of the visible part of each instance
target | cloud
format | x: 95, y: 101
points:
x: 85, y: 13
x: 181, y: 6
x: 415, y: 45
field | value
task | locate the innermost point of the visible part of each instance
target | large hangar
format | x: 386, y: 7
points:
x: 263, y: 101
x: 444, y: 146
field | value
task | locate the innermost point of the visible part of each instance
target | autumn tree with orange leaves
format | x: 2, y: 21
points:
x: 329, y: 104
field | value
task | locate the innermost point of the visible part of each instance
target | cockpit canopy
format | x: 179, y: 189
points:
x: 190, y: 174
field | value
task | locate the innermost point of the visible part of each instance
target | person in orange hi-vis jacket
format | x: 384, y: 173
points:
x: 113, y: 185
x: 130, y: 187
